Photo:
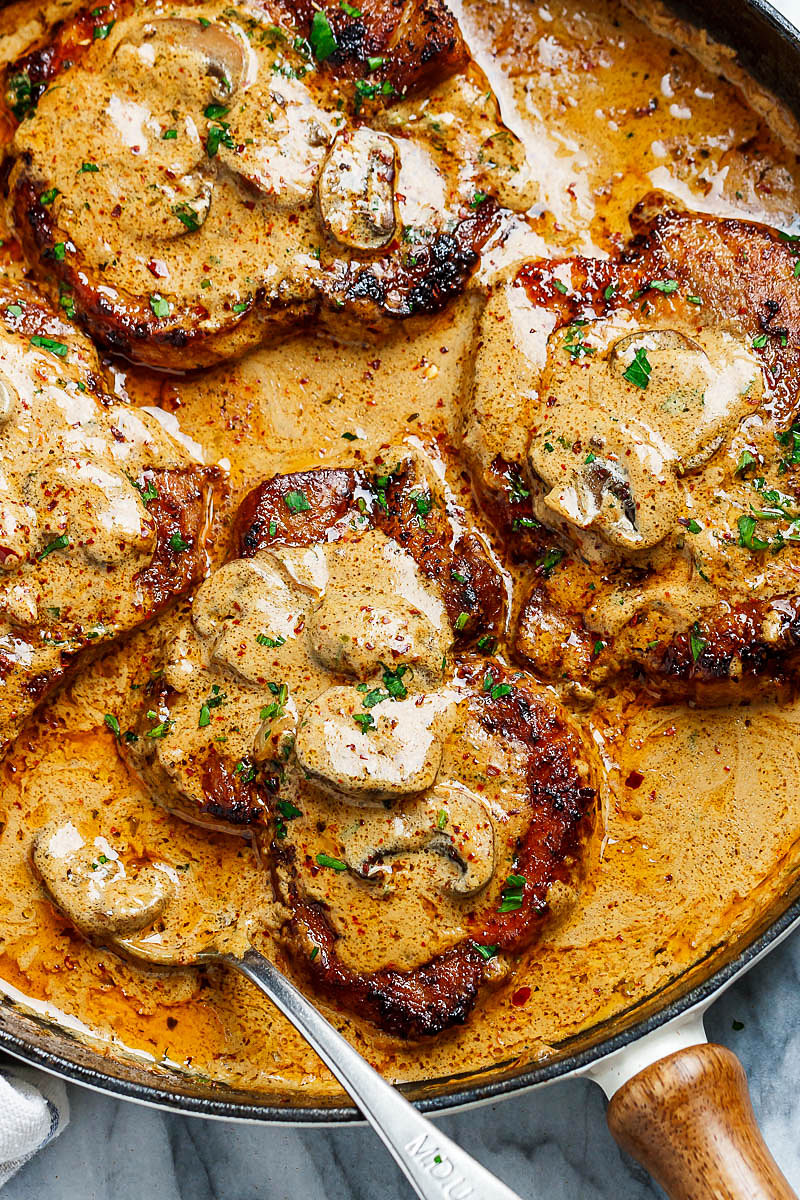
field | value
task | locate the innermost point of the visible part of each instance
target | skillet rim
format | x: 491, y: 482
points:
x: 720, y: 22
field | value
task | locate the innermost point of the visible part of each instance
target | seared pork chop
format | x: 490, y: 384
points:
x: 102, y: 514
x: 329, y: 692
x: 203, y: 182
x: 642, y: 425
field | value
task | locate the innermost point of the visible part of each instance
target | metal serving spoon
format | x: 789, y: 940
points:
x: 112, y: 909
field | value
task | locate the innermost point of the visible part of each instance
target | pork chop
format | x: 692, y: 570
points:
x: 633, y: 419
x: 102, y: 514
x: 203, y: 182
x: 335, y: 691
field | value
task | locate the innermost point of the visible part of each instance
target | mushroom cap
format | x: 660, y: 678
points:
x: 449, y: 822
x: 628, y: 414
x: 393, y: 750
x: 356, y: 189
x: 90, y: 885
x: 378, y: 608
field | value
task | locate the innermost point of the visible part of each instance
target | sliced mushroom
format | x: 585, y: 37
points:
x: 608, y: 475
x: 94, y: 507
x: 227, y: 59
x: 17, y: 533
x: 373, y: 752
x: 450, y: 822
x: 189, y: 203
x: 356, y: 189
x: 9, y: 399
x: 621, y: 429
x: 280, y: 139
x: 694, y: 393
x: 378, y: 608
x: 90, y: 885
x: 242, y: 602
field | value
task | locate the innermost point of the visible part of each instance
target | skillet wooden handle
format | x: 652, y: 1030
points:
x: 688, y: 1119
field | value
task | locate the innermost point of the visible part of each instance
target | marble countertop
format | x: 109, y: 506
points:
x: 550, y: 1143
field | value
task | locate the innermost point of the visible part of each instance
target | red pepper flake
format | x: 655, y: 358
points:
x: 635, y: 779
x: 521, y: 996
x: 158, y: 268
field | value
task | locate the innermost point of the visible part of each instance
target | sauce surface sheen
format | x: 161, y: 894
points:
x: 607, y: 110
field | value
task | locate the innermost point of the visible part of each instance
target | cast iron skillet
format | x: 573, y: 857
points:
x: 656, y: 1108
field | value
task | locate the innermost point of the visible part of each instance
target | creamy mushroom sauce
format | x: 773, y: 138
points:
x: 700, y: 806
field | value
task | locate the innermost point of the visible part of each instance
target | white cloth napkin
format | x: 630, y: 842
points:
x: 33, y: 1110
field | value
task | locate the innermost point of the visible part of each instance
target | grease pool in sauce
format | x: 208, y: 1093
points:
x: 607, y: 110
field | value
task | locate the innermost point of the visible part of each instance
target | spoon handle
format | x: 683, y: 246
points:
x: 435, y: 1167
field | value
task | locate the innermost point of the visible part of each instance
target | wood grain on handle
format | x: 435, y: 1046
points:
x: 688, y: 1119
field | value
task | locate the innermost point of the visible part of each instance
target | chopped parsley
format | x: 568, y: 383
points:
x: 746, y: 459
x: 368, y: 91
x: 365, y: 720
x: 574, y: 343
x: 441, y: 819
x: 169, y: 135
x: 335, y: 864
x: 610, y: 291
x: 147, y: 491
x: 272, y: 712
x: 112, y: 723
x: 478, y: 199
x: 246, y: 770
x: 760, y: 342
x: 423, y: 504
x: 487, y: 644
x: 215, y: 112
x: 349, y: 9
x: 296, y: 502
x: 694, y: 299
x: 511, y: 895
x: 486, y: 952
x: 273, y: 643
x: 160, y: 306
x: 560, y: 287
x: 87, y: 168
x: 747, y: 538
x: 59, y: 543
x: 638, y: 370
x: 216, y: 698
x: 697, y: 643
x: 60, y: 349
x: 188, y: 217
x: 393, y: 681
x: 218, y: 135
x: 49, y: 196
x: 665, y: 286
x: 550, y: 560
x: 59, y: 251
x: 789, y: 439
x: 321, y: 37
x: 176, y: 543
x: 20, y: 94
x: 375, y: 63
x: 101, y: 32
x: 161, y: 729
